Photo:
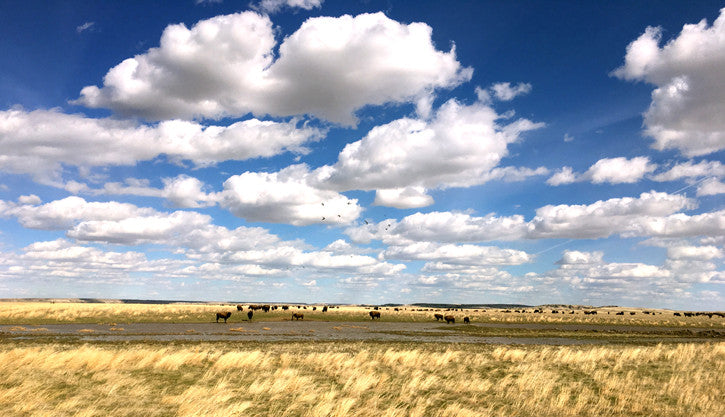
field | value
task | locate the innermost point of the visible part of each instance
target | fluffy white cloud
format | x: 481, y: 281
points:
x: 185, y: 191
x: 711, y: 187
x: 459, y: 147
x: 705, y: 253
x: 457, y: 254
x: 690, y: 169
x: 507, y: 92
x: 619, y: 170
x: 608, y: 170
x: 62, y: 259
x: 563, y: 176
x: 603, y: 218
x: 403, y: 198
x: 158, y: 228
x: 329, y: 68
x: 273, y: 6
x: 286, y: 197
x: 40, y: 142
x: 573, y: 257
x: 679, y: 225
x: 62, y: 214
x: 189, y: 234
x: 651, y: 214
x: 441, y: 227
x: 689, y: 101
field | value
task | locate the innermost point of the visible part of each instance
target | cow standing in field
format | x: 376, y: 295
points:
x: 224, y: 316
x: 240, y: 307
x: 298, y: 316
x: 438, y: 316
x: 375, y: 315
x: 450, y: 319
x: 250, y: 314
x: 466, y: 320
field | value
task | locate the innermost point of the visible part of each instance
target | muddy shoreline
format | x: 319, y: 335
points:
x: 310, y: 331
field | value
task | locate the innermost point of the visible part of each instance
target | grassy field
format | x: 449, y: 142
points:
x: 58, y: 377
x: 340, y: 379
x: 33, y: 313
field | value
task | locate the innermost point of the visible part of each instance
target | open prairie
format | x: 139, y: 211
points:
x: 71, y: 359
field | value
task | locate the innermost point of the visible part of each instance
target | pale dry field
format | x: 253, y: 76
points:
x: 42, y: 376
x: 341, y: 379
x: 24, y: 312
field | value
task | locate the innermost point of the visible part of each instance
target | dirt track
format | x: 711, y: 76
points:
x: 360, y: 331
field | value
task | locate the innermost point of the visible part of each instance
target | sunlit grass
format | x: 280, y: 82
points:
x: 338, y: 379
x: 28, y: 313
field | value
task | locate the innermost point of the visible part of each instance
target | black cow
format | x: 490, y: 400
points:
x: 298, y: 316
x: 240, y: 307
x: 466, y: 320
x: 375, y: 315
x: 450, y: 319
x: 438, y: 317
x: 224, y: 316
x: 250, y: 314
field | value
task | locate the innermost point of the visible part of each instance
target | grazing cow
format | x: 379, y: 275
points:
x: 285, y: 308
x: 466, y: 320
x: 632, y: 313
x: 250, y: 314
x: 240, y: 307
x: 621, y: 313
x: 678, y: 314
x: 449, y: 319
x: 375, y: 315
x: 438, y: 317
x: 266, y: 308
x: 324, y: 309
x: 298, y: 316
x: 224, y: 316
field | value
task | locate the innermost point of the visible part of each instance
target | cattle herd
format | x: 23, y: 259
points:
x: 448, y: 318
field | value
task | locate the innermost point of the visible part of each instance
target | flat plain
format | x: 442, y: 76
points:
x: 120, y: 359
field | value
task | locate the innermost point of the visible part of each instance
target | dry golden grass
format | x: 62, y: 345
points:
x: 23, y: 312
x: 341, y: 379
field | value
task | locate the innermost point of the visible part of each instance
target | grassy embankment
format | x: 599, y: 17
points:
x: 338, y: 379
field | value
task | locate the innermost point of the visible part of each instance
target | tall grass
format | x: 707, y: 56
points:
x: 339, y: 379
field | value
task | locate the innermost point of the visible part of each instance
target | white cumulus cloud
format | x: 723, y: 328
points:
x: 329, y: 68
x: 689, y: 99
x: 40, y: 142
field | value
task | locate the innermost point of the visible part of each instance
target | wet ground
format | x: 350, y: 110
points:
x: 300, y: 331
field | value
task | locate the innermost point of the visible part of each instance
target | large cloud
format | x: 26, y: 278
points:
x: 329, y: 68
x: 651, y: 214
x: 457, y: 254
x: 186, y: 233
x: 460, y: 147
x: 689, y: 101
x: 286, y: 197
x: 41, y: 142
x: 62, y: 214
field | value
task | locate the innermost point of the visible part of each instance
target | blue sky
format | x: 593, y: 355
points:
x: 364, y: 152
